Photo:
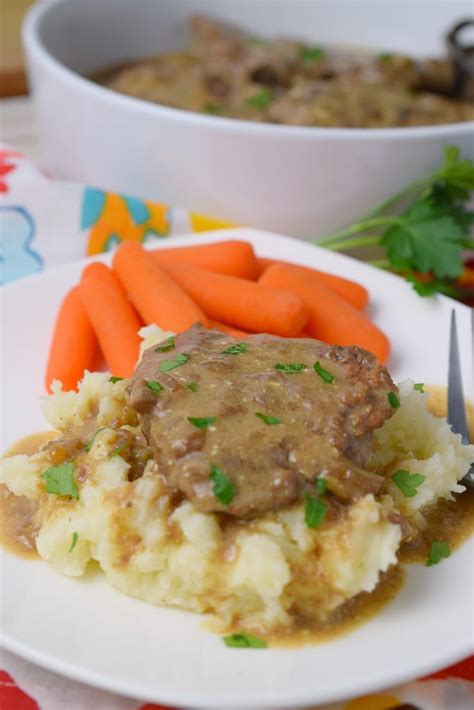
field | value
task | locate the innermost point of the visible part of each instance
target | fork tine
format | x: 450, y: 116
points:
x: 456, y: 408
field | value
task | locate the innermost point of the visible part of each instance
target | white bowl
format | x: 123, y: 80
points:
x: 299, y: 180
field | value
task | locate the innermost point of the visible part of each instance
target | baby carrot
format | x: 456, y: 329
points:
x: 332, y: 319
x: 155, y: 295
x: 348, y: 289
x: 113, y: 318
x: 73, y: 345
x: 231, y: 257
x: 235, y: 332
x: 244, y: 304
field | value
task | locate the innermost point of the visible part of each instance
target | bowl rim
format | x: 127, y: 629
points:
x: 38, y: 52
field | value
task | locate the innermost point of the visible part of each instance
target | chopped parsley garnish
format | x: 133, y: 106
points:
x: 384, y: 56
x: 314, y: 511
x: 419, y: 386
x: 393, y: 399
x: 118, y: 449
x: 90, y: 443
x: 168, y: 365
x: 167, y: 345
x: 408, y: 482
x: 324, y: 374
x: 113, y: 380
x: 74, y: 540
x: 202, y: 422
x: 321, y: 485
x: 310, y: 54
x: 213, y: 108
x: 193, y: 386
x: 260, y: 100
x: 268, y: 418
x: 235, y: 349
x: 244, y: 640
x: 291, y: 368
x: 60, y: 480
x: 154, y: 386
x: 438, y: 550
x: 223, y: 488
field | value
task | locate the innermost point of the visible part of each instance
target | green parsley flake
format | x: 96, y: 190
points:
x: 314, y: 511
x: 223, y: 488
x: 193, y: 386
x: 321, y: 484
x: 408, y: 482
x: 90, y: 443
x: 384, y: 56
x: 118, y: 449
x: 202, y: 422
x: 113, y: 380
x: 268, y: 418
x: 168, y: 365
x: 393, y: 399
x: 74, y: 540
x: 154, y: 386
x: 60, y: 480
x: 310, y: 54
x: 438, y: 550
x: 213, y: 108
x: 260, y: 100
x: 235, y: 349
x: 419, y: 386
x: 243, y: 640
x: 324, y: 374
x: 167, y: 345
x: 291, y: 368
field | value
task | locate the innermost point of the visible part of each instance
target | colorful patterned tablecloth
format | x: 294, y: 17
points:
x: 45, y: 222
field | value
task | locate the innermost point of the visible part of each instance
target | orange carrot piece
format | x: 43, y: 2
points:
x: 244, y: 304
x: 348, y: 289
x: 155, y: 295
x: 73, y: 346
x: 224, y: 328
x: 332, y: 319
x: 231, y: 257
x: 113, y: 318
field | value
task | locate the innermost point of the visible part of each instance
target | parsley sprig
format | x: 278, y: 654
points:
x: 60, y: 481
x: 244, y: 640
x: 423, y: 229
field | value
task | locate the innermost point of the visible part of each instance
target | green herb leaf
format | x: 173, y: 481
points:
x: 168, y: 365
x: 419, y: 386
x: 321, y: 485
x: 291, y: 368
x: 268, y: 418
x: 193, y: 386
x: 384, y: 56
x: 223, y: 488
x: 408, y: 482
x: 202, y: 422
x: 90, y: 443
x: 244, y: 640
x: 260, y: 100
x: 60, y: 480
x: 167, y: 345
x: 154, y: 386
x: 393, y: 399
x: 438, y: 550
x: 314, y: 511
x: 324, y: 374
x: 118, y: 449
x: 235, y: 349
x: 431, y: 287
x: 310, y: 54
x: 213, y: 108
x: 74, y: 540
x: 113, y: 380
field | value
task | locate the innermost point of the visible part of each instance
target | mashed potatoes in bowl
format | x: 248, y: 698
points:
x: 278, y: 522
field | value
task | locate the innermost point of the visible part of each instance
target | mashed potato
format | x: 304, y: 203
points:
x: 259, y: 573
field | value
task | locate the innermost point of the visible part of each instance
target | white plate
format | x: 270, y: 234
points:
x: 86, y: 630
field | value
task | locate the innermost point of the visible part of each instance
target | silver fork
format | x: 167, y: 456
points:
x: 456, y: 408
